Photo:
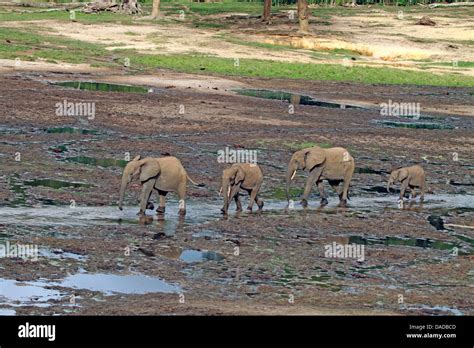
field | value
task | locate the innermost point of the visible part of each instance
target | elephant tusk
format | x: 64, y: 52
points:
x: 228, y: 192
x: 220, y: 191
x: 292, y: 176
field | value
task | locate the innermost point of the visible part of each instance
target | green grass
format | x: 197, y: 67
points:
x: 461, y: 64
x: 105, y: 17
x: 277, y: 69
x: 30, y: 46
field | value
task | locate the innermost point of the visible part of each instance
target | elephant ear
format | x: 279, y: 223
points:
x: 149, y: 168
x: 402, y: 174
x: 239, y: 175
x: 313, y: 157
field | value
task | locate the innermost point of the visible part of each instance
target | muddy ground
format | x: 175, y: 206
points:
x: 271, y: 262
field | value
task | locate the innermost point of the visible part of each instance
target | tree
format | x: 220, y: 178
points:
x: 303, y: 15
x: 155, y: 9
x: 267, y: 10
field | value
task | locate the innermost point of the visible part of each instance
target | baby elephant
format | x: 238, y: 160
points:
x: 244, y: 176
x: 412, y: 177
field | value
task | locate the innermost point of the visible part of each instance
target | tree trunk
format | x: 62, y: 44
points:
x: 267, y: 10
x: 303, y: 15
x: 155, y: 9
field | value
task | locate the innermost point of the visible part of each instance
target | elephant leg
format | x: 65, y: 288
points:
x: 422, y: 191
x: 345, y: 189
x: 413, y: 192
x: 182, y: 197
x: 253, y: 196
x: 335, y: 186
x: 234, y: 191
x: 259, y: 202
x: 161, y: 208
x: 145, y: 196
x: 324, y: 200
x: 237, y: 202
x: 403, y: 188
x: 312, y: 178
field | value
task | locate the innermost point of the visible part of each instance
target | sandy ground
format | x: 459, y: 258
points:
x: 280, y: 266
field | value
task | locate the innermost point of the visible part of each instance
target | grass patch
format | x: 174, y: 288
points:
x: 31, y: 46
x: 318, y: 72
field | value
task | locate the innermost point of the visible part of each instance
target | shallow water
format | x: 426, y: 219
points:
x: 26, y: 293
x: 101, y: 86
x: 110, y: 284
x: 293, y: 98
x: 192, y: 256
x: 35, y: 293
x: 199, y: 212
x: 7, y: 311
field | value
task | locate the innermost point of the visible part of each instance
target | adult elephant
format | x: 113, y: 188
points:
x: 165, y: 174
x: 335, y: 165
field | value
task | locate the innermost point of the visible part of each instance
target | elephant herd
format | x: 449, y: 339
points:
x: 335, y: 165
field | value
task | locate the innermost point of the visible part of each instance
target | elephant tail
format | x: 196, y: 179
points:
x: 194, y: 183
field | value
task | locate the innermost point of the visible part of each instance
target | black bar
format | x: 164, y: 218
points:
x: 195, y: 330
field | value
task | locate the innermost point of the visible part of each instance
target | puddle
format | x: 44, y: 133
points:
x: 35, y: 293
x: 56, y: 184
x: 294, y: 99
x: 102, y: 162
x: 7, y: 312
x: 111, y: 284
x: 60, y: 254
x: 13, y: 292
x: 100, y: 86
x: 415, y: 125
x: 192, y: 256
x: 412, y: 242
x: 71, y: 130
x: 64, y: 215
x: 436, y: 310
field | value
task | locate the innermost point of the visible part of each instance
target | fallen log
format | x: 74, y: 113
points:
x: 454, y: 4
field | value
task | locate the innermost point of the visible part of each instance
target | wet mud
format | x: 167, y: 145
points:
x: 59, y: 186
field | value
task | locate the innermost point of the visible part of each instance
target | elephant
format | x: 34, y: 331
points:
x: 411, y: 177
x: 335, y: 165
x: 244, y: 176
x: 165, y: 174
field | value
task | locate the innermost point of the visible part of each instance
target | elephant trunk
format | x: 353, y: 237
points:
x: 123, y: 187
x: 389, y: 183
x: 226, y: 193
x: 290, y: 174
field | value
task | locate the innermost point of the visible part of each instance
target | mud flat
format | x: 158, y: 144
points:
x: 61, y: 195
